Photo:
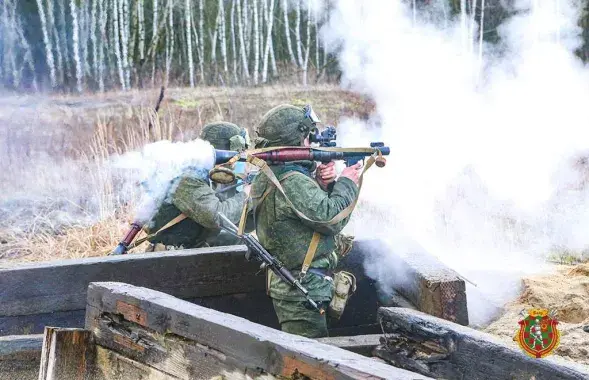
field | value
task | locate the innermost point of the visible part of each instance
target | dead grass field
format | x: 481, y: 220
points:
x: 59, y: 200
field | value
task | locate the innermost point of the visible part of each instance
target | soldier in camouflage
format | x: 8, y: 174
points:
x: 284, y: 234
x: 193, y: 196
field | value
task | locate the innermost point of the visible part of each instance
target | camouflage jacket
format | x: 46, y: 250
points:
x: 287, y: 237
x: 198, y: 201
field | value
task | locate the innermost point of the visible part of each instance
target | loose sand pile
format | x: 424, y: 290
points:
x: 566, y: 292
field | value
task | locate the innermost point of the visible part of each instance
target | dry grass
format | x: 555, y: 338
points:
x: 60, y: 199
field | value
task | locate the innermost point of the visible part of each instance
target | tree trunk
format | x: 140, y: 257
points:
x: 269, y: 22
x: 116, y: 42
x: 287, y: 32
x: 93, y: 38
x: 233, y: 44
x: 256, y: 42
x: 55, y: 35
x: 48, y: 48
x: 189, y: 42
x: 170, y: 40
x: 141, y: 28
x: 222, y: 35
x: 75, y: 39
x: 240, y: 25
x: 154, y: 36
x: 63, y: 37
x: 201, y: 39
x: 124, y: 25
x: 308, y: 44
x: 101, y: 42
x: 298, y: 33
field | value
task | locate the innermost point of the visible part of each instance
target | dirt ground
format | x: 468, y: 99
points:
x: 566, y: 292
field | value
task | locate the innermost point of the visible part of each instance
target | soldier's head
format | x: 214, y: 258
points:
x: 226, y: 136
x: 286, y: 125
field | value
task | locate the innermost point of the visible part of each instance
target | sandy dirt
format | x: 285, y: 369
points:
x: 566, y: 292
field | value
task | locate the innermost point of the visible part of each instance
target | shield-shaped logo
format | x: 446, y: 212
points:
x: 538, y: 334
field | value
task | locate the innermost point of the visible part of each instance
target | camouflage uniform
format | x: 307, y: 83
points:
x: 193, y: 196
x: 285, y: 235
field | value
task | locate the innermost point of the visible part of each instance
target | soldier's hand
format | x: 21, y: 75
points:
x: 325, y: 174
x: 353, y: 172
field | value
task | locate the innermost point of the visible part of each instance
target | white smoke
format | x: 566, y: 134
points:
x: 157, y: 165
x: 478, y: 146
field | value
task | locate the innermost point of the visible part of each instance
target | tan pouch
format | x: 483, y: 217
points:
x: 344, y: 286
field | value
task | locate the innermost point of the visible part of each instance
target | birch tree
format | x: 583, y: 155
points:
x: 63, y: 37
x: 287, y: 32
x: 154, y: 32
x: 76, y: 44
x: 169, y: 39
x: 124, y: 30
x: 141, y: 27
x: 242, y: 41
x: 233, y: 44
x: 269, y: 22
x: 201, y: 40
x: 222, y: 37
x: 298, y: 33
x: 93, y: 37
x: 115, y: 13
x: 47, y: 42
x: 189, y: 42
x: 101, y: 41
x: 256, y: 42
x: 57, y: 46
x: 308, y: 44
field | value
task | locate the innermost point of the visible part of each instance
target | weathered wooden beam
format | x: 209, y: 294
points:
x: 35, y: 295
x: 20, y: 357
x: 189, y: 341
x: 67, y: 354
x: 445, y: 350
x: 416, y: 275
x: 360, y: 344
x: 113, y: 366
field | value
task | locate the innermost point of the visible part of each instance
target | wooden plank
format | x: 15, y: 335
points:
x: 113, y: 366
x: 360, y: 344
x: 230, y: 342
x: 66, y: 354
x: 20, y: 356
x: 419, y: 277
x: 60, y: 286
x: 442, y: 349
x: 35, y: 323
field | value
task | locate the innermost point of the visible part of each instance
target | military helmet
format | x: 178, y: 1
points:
x: 225, y: 135
x: 285, y: 125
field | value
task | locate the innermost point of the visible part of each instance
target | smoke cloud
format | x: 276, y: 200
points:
x: 482, y: 142
x: 157, y: 165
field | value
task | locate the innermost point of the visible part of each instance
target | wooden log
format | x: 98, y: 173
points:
x: 67, y: 354
x: 360, y: 344
x: 20, y: 357
x: 188, y: 341
x: 418, y: 276
x: 42, y: 293
x: 445, y: 350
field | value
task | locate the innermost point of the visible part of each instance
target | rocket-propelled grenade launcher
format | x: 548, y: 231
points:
x: 324, y: 154
x: 122, y: 247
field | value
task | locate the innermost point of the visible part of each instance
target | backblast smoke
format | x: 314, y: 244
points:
x: 481, y: 167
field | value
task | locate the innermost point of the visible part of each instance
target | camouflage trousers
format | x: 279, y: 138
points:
x: 295, y: 318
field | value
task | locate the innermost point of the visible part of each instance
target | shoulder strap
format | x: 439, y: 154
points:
x: 263, y: 166
x: 172, y: 222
